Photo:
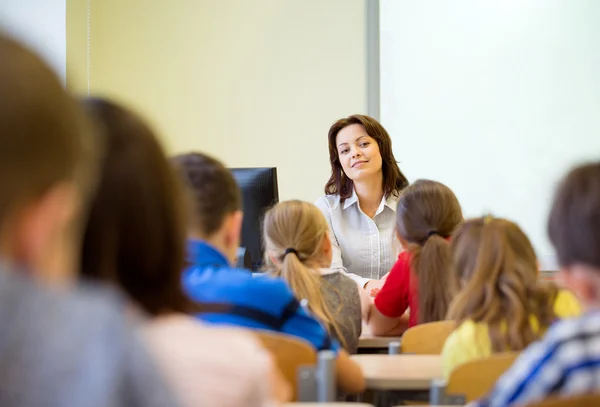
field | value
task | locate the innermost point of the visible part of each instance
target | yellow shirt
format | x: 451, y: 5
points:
x: 471, y: 340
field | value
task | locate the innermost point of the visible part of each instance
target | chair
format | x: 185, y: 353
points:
x: 472, y: 380
x: 585, y: 400
x: 290, y: 353
x: 427, y: 339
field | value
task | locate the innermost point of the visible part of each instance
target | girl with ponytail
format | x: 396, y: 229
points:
x: 503, y: 304
x: 422, y: 279
x: 298, y: 249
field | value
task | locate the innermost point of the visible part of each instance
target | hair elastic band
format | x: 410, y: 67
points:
x: 289, y: 250
x: 432, y: 232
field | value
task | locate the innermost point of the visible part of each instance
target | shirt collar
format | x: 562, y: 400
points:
x: 391, y: 202
x: 348, y: 202
x: 200, y: 253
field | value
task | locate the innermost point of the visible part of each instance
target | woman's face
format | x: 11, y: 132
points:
x: 358, y: 153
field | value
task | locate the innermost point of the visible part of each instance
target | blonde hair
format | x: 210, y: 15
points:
x: 293, y: 235
x: 498, y: 267
x: 428, y: 213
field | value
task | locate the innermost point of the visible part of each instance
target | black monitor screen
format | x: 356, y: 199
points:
x: 259, y: 193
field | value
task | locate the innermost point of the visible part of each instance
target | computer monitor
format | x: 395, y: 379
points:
x: 259, y: 193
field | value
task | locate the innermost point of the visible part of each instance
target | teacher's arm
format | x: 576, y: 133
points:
x: 336, y: 252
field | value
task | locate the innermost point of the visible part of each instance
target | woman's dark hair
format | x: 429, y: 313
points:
x: 135, y: 236
x: 393, y: 179
x: 212, y: 189
x: 574, y: 222
x: 428, y: 214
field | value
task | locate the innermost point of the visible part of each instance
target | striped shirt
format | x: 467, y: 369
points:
x: 363, y: 247
x: 566, y: 362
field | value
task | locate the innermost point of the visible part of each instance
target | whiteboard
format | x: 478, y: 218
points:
x: 42, y: 26
x: 495, y: 98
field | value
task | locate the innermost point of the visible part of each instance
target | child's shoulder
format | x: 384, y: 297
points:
x: 566, y: 304
x: 402, y: 265
x: 468, y: 341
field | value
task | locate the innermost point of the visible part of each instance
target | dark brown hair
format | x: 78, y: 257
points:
x: 497, y: 265
x: 214, y: 192
x: 393, y: 179
x: 427, y: 215
x: 574, y: 222
x: 135, y: 236
x: 45, y: 138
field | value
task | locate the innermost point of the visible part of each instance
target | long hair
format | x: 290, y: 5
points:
x: 135, y: 235
x: 300, y: 226
x: 394, y: 180
x: 427, y: 215
x: 501, y: 286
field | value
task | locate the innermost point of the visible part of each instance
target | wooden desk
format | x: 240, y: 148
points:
x: 399, y: 372
x: 369, y: 341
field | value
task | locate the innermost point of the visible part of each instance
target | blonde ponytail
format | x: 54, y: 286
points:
x: 294, y: 232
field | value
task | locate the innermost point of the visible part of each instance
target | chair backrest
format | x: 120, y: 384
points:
x: 426, y: 339
x: 476, y: 378
x: 290, y: 353
x: 585, y: 400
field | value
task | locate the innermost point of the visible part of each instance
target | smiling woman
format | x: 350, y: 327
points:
x: 360, y: 199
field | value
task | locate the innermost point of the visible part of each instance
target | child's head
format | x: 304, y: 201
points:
x: 574, y: 229
x: 297, y: 245
x: 300, y: 228
x: 427, y: 215
x: 216, y: 202
x: 135, y: 237
x: 497, y: 267
x: 48, y: 158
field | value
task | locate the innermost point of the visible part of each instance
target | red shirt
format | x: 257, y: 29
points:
x: 399, y: 291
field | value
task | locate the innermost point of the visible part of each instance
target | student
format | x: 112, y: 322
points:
x: 135, y: 239
x: 232, y: 296
x: 60, y: 344
x: 360, y: 199
x: 566, y: 361
x: 504, y: 305
x: 298, y: 249
x: 422, y: 278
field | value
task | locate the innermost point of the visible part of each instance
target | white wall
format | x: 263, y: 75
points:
x: 41, y: 24
x: 494, y: 98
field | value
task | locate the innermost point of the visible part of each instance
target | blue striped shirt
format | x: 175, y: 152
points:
x: 565, y: 362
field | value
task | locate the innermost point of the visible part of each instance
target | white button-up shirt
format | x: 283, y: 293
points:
x: 364, y: 248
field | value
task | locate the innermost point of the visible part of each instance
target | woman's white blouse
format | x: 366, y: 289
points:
x: 364, y: 248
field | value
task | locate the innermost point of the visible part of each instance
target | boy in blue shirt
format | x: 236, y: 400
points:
x: 228, y: 295
x: 566, y: 361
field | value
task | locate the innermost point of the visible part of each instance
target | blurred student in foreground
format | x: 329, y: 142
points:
x: 566, y: 361
x: 135, y: 239
x: 60, y: 345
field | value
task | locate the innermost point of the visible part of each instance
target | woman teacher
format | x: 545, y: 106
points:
x: 360, y: 199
